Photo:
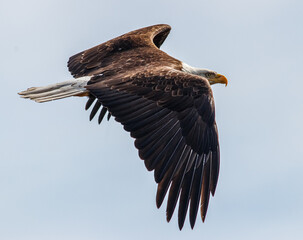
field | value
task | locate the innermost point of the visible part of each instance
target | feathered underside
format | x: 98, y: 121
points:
x: 170, y: 114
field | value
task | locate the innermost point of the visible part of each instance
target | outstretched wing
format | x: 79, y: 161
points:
x: 171, y: 114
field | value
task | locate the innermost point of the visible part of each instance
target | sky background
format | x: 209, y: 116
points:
x: 63, y: 177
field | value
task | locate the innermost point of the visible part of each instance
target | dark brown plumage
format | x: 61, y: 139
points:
x: 169, y: 112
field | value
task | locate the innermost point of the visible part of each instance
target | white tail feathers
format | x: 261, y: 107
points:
x: 56, y: 91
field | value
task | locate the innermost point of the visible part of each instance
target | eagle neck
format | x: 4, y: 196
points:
x: 189, y: 69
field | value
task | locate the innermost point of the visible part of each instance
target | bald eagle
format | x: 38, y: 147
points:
x: 165, y: 104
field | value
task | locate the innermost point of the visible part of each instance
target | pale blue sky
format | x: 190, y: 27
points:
x: 61, y: 176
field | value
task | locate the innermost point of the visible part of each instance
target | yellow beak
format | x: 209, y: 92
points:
x: 220, y: 79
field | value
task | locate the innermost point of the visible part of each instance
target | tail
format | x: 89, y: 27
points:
x: 56, y: 91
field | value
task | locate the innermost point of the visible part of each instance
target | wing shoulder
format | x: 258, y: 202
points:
x: 89, y: 61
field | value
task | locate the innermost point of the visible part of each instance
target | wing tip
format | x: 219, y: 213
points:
x: 192, y: 224
x: 203, y: 217
x: 181, y: 223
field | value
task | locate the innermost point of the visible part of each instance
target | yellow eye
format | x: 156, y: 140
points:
x: 209, y: 74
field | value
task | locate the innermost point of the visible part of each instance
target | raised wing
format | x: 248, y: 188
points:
x: 94, y: 60
x: 171, y: 114
x: 120, y: 55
